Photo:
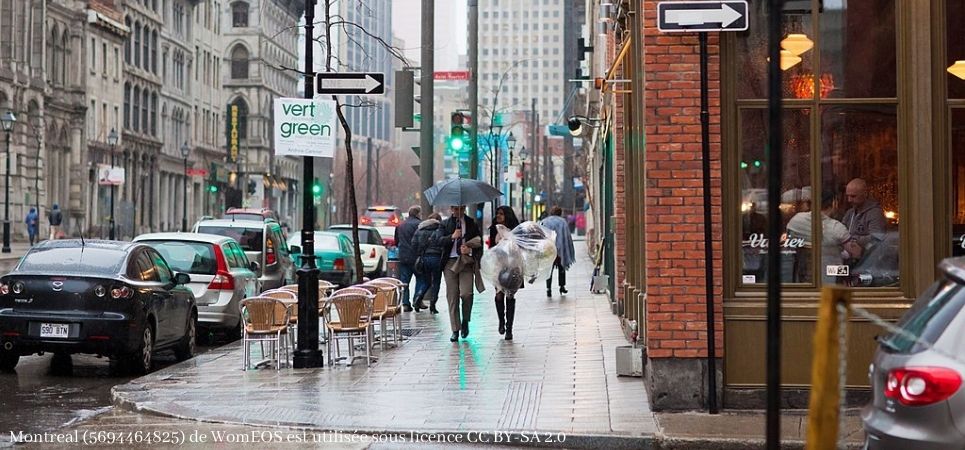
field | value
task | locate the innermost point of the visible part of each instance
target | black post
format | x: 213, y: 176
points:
x: 111, y: 236
x: 775, y: 166
x: 308, y: 355
x: 368, y: 173
x: 708, y: 224
x: 184, y: 195
x: 6, y: 203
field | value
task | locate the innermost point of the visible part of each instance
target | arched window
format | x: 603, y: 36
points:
x: 127, y: 42
x: 154, y: 52
x: 144, y: 116
x: 37, y: 36
x: 127, y: 105
x: 137, y: 44
x: 239, y: 62
x: 154, y: 114
x: 52, y: 54
x: 136, y: 110
x: 147, y: 49
x: 65, y: 50
x: 239, y: 14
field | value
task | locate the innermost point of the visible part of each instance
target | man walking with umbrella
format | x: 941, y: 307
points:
x: 460, y: 235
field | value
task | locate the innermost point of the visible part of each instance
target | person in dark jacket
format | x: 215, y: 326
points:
x: 462, y: 244
x: 55, y: 217
x: 428, y: 264
x: 403, y: 240
x: 506, y: 217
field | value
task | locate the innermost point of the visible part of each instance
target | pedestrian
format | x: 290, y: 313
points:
x: 865, y: 219
x: 462, y: 240
x: 55, y: 217
x: 565, y: 253
x: 403, y: 241
x: 505, y: 305
x: 428, y: 251
x: 31, y: 221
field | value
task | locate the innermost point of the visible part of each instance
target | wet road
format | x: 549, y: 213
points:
x: 46, y: 395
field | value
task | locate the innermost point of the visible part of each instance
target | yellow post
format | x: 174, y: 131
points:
x: 825, y: 394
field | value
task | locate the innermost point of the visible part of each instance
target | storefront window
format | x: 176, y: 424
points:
x: 840, y: 88
x: 958, y: 181
x: 955, y: 73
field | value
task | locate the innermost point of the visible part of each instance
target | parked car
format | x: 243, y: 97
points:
x: 388, y: 240
x: 263, y: 242
x: 333, y: 256
x: 916, y: 376
x: 221, y: 275
x: 250, y: 214
x: 375, y: 256
x: 116, y: 299
x: 379, y: 216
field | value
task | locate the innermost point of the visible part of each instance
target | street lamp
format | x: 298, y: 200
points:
x: 523, y: 156
x: 7, y: 120
x: 185, y: 150
x: 112, y: 140
x: 511, y: 142
x: 39, y: 135
x: 575, y: 123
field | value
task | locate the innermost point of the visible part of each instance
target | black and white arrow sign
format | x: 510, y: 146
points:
x: 682, y: 17
x: 355, y: 83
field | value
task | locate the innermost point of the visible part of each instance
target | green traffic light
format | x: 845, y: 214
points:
x: 456, y: 143
x: 757, y: 163
x: 529, y: 189
x: 213, y: 188
x: 316, y: 189
x: 743, y: 165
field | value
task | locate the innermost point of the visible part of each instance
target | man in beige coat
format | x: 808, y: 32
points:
x: 460, y: 235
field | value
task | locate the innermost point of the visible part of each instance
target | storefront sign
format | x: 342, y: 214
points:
x: 109, y: 176
x: 305, y: 127
x: 756, y: 240
x: 232, y: 137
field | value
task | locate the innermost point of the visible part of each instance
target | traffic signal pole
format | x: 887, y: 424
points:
x: 426, y: 144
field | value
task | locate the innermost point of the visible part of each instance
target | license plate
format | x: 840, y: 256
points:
x: 54, y: 330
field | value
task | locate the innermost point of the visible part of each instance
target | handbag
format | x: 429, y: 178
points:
x: 419, y: 267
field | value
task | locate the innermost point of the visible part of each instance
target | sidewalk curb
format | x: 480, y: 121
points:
x: 538, y: 439
x: 679, y: 443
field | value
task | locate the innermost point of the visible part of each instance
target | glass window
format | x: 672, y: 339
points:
x: 239, y: 62
x: 958, y: 179
x: 73, y: 260
x: 188, y: 257
x: 250, y: 239
x: 164, y: 274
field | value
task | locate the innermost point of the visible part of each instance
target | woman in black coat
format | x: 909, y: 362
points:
x: 505, y: 306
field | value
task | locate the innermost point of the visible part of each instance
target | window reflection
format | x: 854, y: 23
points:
x: 958, y: 181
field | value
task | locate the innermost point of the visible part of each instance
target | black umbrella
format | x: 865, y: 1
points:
x: 460, y: 191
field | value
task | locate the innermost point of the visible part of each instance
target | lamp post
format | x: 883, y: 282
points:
x: 112, y: 140
x: 511, y: 142
x: 8, y: 120
x: 494, y: 132
x: 523, y: 156
x: 185, y: 150
x: 39, y: 132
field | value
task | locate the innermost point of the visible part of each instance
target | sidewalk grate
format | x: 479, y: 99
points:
x: 410, y: 332
x: 521, y: 406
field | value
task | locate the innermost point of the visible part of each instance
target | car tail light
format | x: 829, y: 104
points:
x: 4, y: 288
x: 365, y: 220
x: 339, y: 264
x: 100, y: 290
x: 223, y: 281
x: 372, y: 253
x: 270, y: 257
x: 17, y: 287
x: 919, y: 386
x: 393, y: 220
x: 388, y: 242
x: 122, y: 292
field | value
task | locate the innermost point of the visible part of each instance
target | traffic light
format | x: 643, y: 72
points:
x: 459, y: 132
x: 213, y: 188
x: 317, y: 190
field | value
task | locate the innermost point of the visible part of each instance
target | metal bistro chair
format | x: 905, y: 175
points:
x: 266, y: 320
x: 354, y: 310
x: 291, y: 300
x: 393, y: 310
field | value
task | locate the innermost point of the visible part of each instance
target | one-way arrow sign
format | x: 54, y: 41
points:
x: 682, y: 17
x: 353, y: 83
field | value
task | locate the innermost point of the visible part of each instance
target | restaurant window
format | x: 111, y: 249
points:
x: 955, y: 73
x: 839, y: 189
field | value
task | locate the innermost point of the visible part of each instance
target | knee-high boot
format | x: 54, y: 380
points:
x: 501, y: 311
x: 510, y: 315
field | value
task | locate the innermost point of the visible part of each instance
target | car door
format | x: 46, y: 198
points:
x: 149, y: 287
x: 284, y: 254
x: 180, y: 297
x: 375, y: 239
x: 245, y: 279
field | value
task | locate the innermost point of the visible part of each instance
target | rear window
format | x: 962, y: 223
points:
x: 190, y: 257
x: 326, y: 242
x: 244, y: 216
x: 363, y: 235
x: 927, y: 318
x: 384, y: 215
x: 250, y: 239
x: 89, y: 260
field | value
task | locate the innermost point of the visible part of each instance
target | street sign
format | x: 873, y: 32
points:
x: 460, y: 75
x: 685, y: 17
x: 305, y: 127
x: 351, y: 83
x: 558, y: 130
x: 192, y: 172
x: 109, y: 176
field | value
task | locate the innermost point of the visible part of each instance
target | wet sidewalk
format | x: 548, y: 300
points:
x: 557, y: 378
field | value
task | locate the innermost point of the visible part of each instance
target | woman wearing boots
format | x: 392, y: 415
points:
x: 505, y: 304
x: 428, y: 251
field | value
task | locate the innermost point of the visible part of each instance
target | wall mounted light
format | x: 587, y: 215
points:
x: 957, y: 69
x: 797, y: 43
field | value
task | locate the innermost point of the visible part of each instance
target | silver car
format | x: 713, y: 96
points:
x: 916, y: 377
x: 264, y: 242
x: 221, y: 275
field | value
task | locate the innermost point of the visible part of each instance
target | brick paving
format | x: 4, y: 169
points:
x: 557, y: 376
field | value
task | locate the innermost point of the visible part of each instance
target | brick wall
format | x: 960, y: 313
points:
x: 619, y: 198
x: 676, y: 320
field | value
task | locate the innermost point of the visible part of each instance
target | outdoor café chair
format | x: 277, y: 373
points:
x: 291, y: 300
x: 354, y: 310
x: 392, y: 311
x: 266, y: 320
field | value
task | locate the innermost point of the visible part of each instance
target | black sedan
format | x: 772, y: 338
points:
x: 115, y: 299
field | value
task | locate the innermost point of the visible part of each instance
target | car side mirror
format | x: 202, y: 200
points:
x: 253, y: 265
x: 294, y: 249
x: 182, y: 278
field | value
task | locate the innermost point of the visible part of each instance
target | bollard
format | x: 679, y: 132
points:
x: 824, y: 404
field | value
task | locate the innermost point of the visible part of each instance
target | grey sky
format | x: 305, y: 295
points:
x: 450, y: 21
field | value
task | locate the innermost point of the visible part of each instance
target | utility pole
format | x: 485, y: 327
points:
x: 548, y: 183
x: 534, y: 144
x: 474, y: 96
x: 427, y: 146
x: 308, y: 355
x: 378, y: 171
x: 368, y: 173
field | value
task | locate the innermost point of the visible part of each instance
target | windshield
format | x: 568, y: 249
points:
x: 190, y: 257
x: 928, y: 318
x: 73, y: 260
x: 250, y: 239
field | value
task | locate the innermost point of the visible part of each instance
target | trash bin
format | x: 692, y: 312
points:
x: 629, y: 361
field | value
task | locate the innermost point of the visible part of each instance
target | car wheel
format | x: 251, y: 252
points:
x: 140, y: 361
x: 8, y: 361
x: 185, y: 350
